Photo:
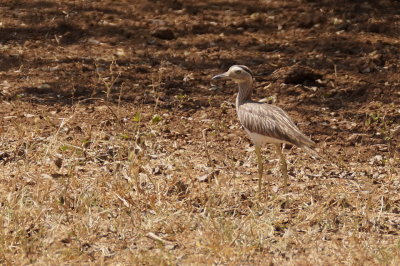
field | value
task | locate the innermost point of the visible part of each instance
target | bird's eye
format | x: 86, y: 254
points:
x: 238, y: 71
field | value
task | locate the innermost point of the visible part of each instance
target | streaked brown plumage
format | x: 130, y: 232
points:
x: 265, y: 123
x: 269, y: 120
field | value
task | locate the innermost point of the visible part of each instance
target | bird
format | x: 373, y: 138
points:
x: 265, y: 123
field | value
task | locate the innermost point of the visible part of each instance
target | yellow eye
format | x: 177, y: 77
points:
x: 238, y: 71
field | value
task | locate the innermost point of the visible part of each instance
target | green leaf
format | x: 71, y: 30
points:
x: 181, y: 96
x: 137, y: 117
x: 125, y: 136
x: 156, y: 119
x: 64, y: 148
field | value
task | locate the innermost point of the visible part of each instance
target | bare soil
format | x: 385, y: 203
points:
x: 116, y: 146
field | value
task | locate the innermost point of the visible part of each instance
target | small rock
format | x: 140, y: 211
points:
x: 204, y: 178
x: 93, y: 41
x: 376, y: 159
x: 366, y: 70
x: 208, y: 177
x: 46, y: 176
x: 44, y: 86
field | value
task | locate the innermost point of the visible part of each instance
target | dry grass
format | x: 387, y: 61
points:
x: 113, y: 150
x: 85, y: 185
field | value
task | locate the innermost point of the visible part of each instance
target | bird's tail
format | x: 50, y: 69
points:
x: 313, y: 153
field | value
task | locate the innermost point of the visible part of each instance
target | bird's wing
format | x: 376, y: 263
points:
x: 271, y: 121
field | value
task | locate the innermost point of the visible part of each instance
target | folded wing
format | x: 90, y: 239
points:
x: 272, y: 121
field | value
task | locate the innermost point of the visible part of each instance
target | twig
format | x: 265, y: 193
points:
x: 208, y: 155
x: 64, y: 121
x: 162, y: 241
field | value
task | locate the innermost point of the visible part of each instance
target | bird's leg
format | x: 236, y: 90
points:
x: 282, y: 164
x: 260, y: 168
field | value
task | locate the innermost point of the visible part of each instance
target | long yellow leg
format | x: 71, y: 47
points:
x: 260, y: 169
x: 283, y: 164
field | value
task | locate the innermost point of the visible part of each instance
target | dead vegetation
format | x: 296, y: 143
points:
x: 116, y: 148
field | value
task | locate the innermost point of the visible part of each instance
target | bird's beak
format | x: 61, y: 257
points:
x: 221, y: 76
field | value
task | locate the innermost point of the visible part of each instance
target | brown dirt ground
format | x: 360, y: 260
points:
x: 112, y: 133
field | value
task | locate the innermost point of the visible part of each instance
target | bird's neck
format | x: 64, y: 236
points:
x: 245, y: 90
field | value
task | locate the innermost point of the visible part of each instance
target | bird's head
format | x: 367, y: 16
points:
x: 237, y: 73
